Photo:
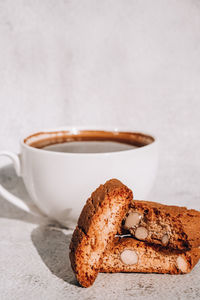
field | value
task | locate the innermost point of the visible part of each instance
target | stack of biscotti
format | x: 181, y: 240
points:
x: 165, y: 239
x: 150, y: 237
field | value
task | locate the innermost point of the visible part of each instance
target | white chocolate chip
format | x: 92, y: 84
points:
x: 129, y: 257
x: 182, y: 264
x: 165, y: 239
x: 132, y: 220
x: 141, y: 233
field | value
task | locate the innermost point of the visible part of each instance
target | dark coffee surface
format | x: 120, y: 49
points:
x: 89, y: 147
x: 88, y: 141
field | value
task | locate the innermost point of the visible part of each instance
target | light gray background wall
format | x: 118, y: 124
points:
x: 130, y: 63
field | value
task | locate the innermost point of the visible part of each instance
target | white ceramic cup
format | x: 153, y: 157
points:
x: 59, y: 183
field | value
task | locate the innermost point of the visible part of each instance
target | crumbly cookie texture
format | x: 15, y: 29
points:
x: 130, y: 255
x: 170, y: 226
x: 98, y: 223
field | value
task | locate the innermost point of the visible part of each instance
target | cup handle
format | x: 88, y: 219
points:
x: 6, y: 194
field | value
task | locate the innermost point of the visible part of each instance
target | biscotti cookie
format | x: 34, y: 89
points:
x: 98, y: 223
x: 171, y: 226
x: 130, y: 255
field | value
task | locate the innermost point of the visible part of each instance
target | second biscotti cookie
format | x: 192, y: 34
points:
x: 172, y: 226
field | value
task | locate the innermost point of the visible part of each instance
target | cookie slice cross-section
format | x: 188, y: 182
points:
x: 170, y: 226
x: 129, y: 255
x: 98, y: 224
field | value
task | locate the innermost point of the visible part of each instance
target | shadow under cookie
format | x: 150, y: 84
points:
x: 53, y: 247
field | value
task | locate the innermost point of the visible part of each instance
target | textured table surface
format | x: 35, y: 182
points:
x: 34, y: 262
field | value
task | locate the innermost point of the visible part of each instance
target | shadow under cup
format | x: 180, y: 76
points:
x: 62, y: 168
